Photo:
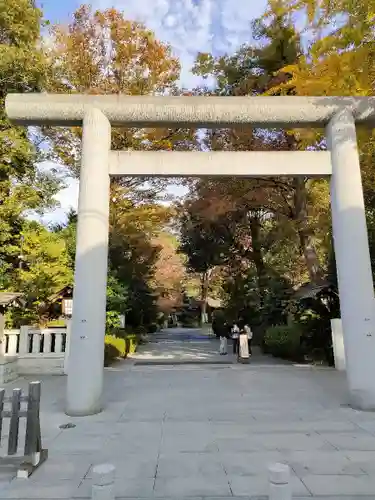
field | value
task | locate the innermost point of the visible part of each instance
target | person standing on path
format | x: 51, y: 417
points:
x: 224, y: 339
x: 249, y: 334
x: 235, y: 337
x: 243, y: 347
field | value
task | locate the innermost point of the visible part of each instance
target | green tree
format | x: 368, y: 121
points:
x: 68, y: 232
x: 133, y: 252
x: 339, y: 60
x: 117, y: 301
x: 132, y: 256
x: 44, y: 268
x: 23, y: 188
x: 205, y: 243
x: 170, y: 272
x: 101, y: 52
x: 255, y: 70
x: 117, y: 293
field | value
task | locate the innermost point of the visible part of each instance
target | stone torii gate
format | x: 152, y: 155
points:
x: 96, y: 114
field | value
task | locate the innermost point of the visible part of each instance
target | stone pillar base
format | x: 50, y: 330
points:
x: 8, y: 369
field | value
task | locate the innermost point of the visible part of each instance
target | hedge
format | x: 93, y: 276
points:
x: 284, y: 341
x: 116, y: 347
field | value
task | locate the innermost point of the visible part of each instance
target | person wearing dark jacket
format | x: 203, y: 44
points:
x: 235, y: 331
x: 224, y: 335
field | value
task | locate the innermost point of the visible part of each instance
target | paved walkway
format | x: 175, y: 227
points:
x: 190, y: 346
x: 179, y: 345
x: 206, y: 430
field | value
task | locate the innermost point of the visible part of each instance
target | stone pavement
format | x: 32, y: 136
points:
x: 190, y: 346
x: 175, y: 346
x: 206, y: 430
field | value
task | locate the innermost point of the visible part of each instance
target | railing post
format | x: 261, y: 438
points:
x: 47, y: 341
x: 34, y: 455
x: 12, y: 344
x: 14, y: 422
x: 58, y: 343
x: 33, y: 438
x: 36, y: 342
x: 24, y: 340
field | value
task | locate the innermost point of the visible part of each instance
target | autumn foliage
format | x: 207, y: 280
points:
x: 249, y: 243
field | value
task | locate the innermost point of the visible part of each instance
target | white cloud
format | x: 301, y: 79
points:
x: 190, y: 26
x: 67, y: 197
x: 193, y: 26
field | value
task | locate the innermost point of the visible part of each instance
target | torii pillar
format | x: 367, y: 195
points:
x: 86, y: 354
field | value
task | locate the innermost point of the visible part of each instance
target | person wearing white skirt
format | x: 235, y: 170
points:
x: 249, y: 334
x: 246, y: 335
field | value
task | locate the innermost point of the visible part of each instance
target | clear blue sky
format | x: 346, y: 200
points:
x: 57, y: 10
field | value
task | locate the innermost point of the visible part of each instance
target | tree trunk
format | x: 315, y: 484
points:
x: 305, y: 234
x: 255, y: 227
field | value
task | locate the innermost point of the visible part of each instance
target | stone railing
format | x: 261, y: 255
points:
x: 38, y: 351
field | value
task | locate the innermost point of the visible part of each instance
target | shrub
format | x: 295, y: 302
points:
x: 140, y: 330
x: 120, y: 333
x: 116, y: 347
x: 56, y: 323
x: 117, y: 342
x: 314, y: 314
x: 188, y: 321
x: 110, y: 354
x: 284, y: 341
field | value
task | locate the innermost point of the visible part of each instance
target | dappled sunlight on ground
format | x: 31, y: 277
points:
x: 182, y: 345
